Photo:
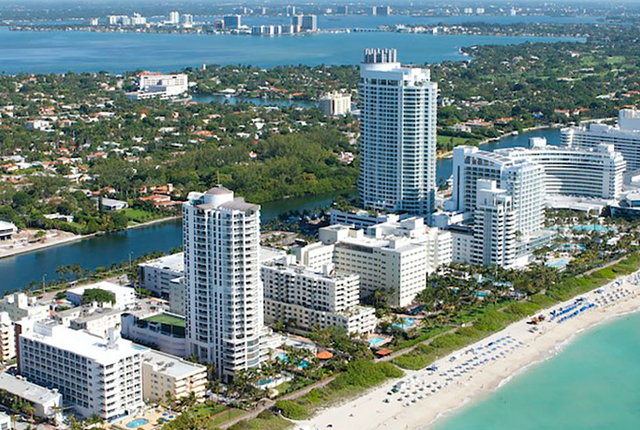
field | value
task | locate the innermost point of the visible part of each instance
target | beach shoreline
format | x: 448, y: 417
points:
x: 378, y: 410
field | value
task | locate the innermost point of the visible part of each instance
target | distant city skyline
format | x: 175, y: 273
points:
x: 314, y: 4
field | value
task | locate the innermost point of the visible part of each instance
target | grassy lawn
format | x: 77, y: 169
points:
x: 587, y: 61
x: 166, y: 319
x: 453, y: 141
x: 283, y: 388
x: 205, y: 416
x: 360, y: 375
x: 616, y: 59
x: 228, y: 414
x: 208, y: 409
x: 425, y: 334
x: 137, y: 216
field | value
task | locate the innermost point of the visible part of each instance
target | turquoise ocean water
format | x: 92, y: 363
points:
x: 592, y: 384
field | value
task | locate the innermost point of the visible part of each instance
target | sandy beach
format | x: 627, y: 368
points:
x: 421, y: 397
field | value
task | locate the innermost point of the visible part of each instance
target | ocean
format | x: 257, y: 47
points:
x: 594, y: 383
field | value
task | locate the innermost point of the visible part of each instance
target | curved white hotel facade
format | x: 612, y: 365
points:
x: 587, y: 172
x: 625, y: 137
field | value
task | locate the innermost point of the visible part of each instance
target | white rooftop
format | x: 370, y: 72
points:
x: 267, y: 254
x: 4, y: 225
x: 171, y: 365
x: 393, y: 242
x: 633, y: 196
x: 82, y: 343
x: 582, y: 204
x: 27, y: 390
x: 173, y: 262
x: 102, y: 285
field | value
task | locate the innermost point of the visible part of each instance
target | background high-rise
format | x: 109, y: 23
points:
x: 398, y: 135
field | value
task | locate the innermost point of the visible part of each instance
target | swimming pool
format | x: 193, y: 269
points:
x: 572, y: 246
x: 405, y: 324
x: 137, y: 423
x: 376, y: 341
x: 558, y: 264
x: 282, y: 356
x: 599, y: 228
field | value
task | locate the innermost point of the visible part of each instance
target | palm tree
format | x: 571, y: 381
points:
x: 77, y: 270
x: 188, y: 401
x: 28, y: 409
x: 170, y: 399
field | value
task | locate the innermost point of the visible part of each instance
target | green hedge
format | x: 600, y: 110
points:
x: 360, y: 375
x: 292, y: 410
x: 266, y: 420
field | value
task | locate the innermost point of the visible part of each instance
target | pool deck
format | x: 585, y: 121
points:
x: 153, y: 415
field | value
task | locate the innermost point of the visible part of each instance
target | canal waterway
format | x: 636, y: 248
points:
x: 101, y: 251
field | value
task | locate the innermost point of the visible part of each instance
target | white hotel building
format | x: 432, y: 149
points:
x: 528, y: 176
x: 589, y: 172
x: 95, y: 375
x: 625, y: 137
x: 305, y: 299
x: 521, y: 178
x: 494, y: 227
x: 152, y: 85
x: 393, y: 257
x: 398, y: 135
x: 224, y: 297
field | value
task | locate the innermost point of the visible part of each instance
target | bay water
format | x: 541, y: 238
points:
x: 76, y: 51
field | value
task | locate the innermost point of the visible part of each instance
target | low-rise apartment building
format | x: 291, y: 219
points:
x: 305, y: 299
x: 99, y: 322
x: 125, y: 297
x: 335, y: 104
x: 156, y: 275
x: 162, y: 373
x: 19, y: 305
x: 46, y: 402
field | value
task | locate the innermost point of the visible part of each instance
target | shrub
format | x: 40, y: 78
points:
x: 98, y: 295
x: 364, y: 374
x: 265, y: 415
x: 292, y: 410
